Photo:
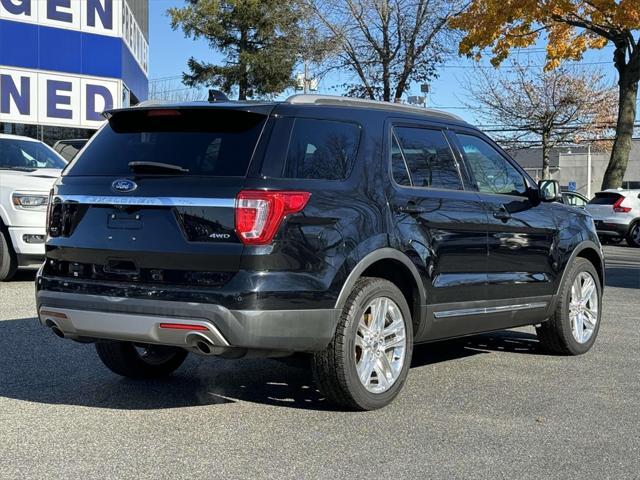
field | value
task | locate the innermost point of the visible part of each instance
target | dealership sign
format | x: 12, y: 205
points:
x: 95, y: 16
x: 102, y: 17
x: 56, y: 99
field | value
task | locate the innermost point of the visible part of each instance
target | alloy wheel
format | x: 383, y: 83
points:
x: 583, y: 307
x: 380, y: 345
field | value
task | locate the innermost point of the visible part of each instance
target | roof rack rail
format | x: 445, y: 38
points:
x: 334, y: 100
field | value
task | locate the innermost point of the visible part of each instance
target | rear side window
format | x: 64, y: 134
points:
x: 398, y: 165
x: 321, y: 149
x: 428, y: 159
x: 206, y: 141
x: 605, y: 198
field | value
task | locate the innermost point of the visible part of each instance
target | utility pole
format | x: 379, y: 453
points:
x: 306, y: 77
x: 589, y: 170
x: 303, y: 82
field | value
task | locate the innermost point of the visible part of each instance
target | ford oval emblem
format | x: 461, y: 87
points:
x: 124, y: 185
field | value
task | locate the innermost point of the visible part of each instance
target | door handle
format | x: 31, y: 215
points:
x: 412, y: 209
x: 502, y: 214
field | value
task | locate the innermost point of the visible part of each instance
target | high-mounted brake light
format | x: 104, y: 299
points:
x: 259, y: 213
x: 163, y: 113
x: 618, y: 209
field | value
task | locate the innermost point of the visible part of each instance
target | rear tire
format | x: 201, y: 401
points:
x: 353, y: 354
x: 148, y: 361
x: 8, y: 257
x: 557, y: 335
x: 633, y: 237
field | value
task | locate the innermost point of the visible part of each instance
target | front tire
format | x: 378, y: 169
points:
x: 633, y: 237
x: 8, y: 258
x: 574, y: 326
x: 367, y: 362
x: 144, y: 361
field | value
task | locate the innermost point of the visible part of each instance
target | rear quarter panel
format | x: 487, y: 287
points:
x: 344, y: 220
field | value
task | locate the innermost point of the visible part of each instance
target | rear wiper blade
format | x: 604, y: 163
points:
x: 152, y: 167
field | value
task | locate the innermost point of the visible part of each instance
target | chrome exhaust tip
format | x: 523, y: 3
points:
x: 55, y: 329
x: 203, y: 347
x: 201, y: 344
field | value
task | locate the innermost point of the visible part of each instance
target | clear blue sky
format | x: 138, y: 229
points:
x: 169, y: 52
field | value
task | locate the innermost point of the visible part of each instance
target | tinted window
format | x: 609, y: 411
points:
x: 69, y: 148
x: 605, y: 198
x: 428, y: 159
x: 207, y: 141
x: 23, y: 154
x: 492, y: 172
x: 398, y: 165
x: 321, y: 149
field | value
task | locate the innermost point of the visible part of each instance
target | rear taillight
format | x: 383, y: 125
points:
x: 618, y: 209
x: 259, y: 213
x: 53, y: 218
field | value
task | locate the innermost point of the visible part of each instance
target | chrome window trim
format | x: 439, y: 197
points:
x: 146, y: 201
x: 488, y: 310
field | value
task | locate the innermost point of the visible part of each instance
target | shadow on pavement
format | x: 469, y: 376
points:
x: 505, y: 341
x: 623, y: 277
x: 38, y: 367
x: 25, y: 275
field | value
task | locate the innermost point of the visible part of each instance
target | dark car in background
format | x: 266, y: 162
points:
x: 68, y: 149
x: 347, y: 229
x: 574, y: 199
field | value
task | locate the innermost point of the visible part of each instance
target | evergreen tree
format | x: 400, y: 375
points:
x: 260, y: 40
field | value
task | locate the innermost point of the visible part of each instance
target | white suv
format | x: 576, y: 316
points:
x: 28, y: 168
x: 617, y: 215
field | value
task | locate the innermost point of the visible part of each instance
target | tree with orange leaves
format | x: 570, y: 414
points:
x: 572, y: 27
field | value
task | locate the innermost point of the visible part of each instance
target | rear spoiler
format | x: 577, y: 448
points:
x: 259, y: 108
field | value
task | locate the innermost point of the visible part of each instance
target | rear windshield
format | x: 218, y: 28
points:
x: 604, y: 198
x: 210, y: 142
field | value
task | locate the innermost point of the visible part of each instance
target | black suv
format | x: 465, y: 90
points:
x: 348, y: 229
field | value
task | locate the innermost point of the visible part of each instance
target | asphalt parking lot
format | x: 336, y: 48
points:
x: 490, y: 406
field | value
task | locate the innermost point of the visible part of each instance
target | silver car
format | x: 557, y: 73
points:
x: 617, y: 215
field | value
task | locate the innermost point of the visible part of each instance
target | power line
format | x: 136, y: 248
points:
x: 517, y: 68
x: 601, y: 125
x: 445, y: 66
x: 175, y: 77
x: 184, y: 89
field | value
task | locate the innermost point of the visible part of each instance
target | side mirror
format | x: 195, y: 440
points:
x: 549, y: 190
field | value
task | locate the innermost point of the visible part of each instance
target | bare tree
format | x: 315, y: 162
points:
x: 552, y: 107
x: 174, y: 91
x: 386, y: 44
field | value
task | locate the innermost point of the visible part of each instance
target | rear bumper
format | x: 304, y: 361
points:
x: 611, y: 229
x: 81, y: 316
